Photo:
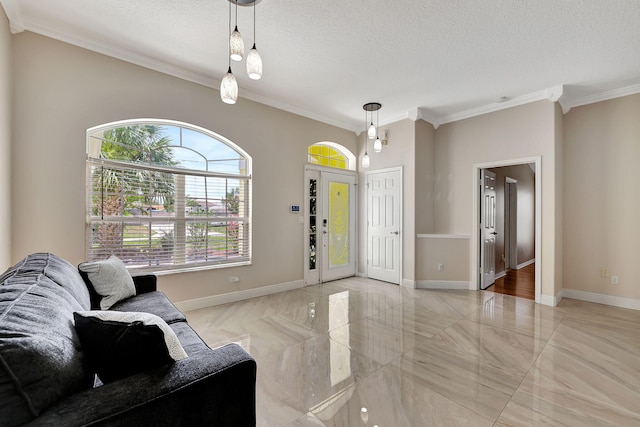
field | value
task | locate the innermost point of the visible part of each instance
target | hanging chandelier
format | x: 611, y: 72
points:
x: 372, y: 130
x: 229, y: 84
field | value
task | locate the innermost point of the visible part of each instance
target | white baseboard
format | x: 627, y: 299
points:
x: 613, y: 300
x: 526, y: 263
x: 361, y: 274
x: 212, y: 300
x: 411, y: 284
x: 550, y: 300
x: 442, y: 284
x: 499, y: 275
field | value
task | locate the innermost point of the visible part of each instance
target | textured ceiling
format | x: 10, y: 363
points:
x: 436, y: 59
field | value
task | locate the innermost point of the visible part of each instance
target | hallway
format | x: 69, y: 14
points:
x: 519, y: 283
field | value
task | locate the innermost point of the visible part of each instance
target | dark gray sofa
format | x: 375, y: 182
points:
x: 44, y: 375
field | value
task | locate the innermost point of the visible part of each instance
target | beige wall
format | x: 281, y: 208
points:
x: 61, y: 90
x: 450, y: 251
x: 57, y: 91
x: 526, y: 213
x: 5, y: 141
x: 424, y: 178
x: 602, y: 197
x: 400, y: 151
x: 515, y: 133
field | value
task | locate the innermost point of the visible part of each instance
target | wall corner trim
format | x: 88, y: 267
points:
x: 411, y: 284
x: 551, y: 301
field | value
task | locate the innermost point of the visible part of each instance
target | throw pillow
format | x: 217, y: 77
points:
x: 119, y: 344
x: 110, y: 279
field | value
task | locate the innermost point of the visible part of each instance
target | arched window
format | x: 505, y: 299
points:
x: 331, y: 155
x: 164, y: 195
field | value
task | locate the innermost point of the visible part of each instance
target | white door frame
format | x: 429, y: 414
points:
x: 475, y: 230
x: 400, y: 170
x: 511, y: 223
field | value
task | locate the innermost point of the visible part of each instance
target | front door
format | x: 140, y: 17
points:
x: 330, y: 224
x: 487, y: 228
x: 338, y: 226
x: 384, y: 189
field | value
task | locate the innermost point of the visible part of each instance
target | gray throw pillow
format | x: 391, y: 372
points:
x: 110, y: 279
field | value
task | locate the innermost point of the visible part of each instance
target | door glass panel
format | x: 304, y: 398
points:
x: 313, y: 184
x: 338, y: 224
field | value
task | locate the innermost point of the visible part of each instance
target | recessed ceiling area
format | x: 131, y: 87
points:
x: 434, y: 59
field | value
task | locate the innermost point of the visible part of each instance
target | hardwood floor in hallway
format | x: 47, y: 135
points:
x: 519, y: 283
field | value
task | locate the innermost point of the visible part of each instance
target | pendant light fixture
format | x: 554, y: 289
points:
x: 229, y: 84
x: 254, y: 61
x: 372, y: 131
x: 236, y: 44
x: 377, y: 145
x: 229, y: 88
x: 365, y: 159
x: 368, y: 108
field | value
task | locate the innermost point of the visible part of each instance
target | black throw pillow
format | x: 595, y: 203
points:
x: 120, y: 344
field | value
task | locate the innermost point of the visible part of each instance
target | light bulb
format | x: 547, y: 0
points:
x: 254, y: 64
x: 229, y: 88
x: 366, y: 161
x: 236, y: 45
x: 377, y: 146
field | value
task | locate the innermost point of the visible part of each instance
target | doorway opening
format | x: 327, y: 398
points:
x: 507, y: 227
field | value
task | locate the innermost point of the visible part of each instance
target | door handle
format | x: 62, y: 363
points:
x: 494, y: 233
x: 395, y: 232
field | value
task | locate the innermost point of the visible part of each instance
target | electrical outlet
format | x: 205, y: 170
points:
x: 615, y: 280
x: 234, y: 279
x: 604, y: 272
x: 440, y: 267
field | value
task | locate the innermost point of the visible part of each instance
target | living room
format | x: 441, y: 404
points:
x: 52, y: 92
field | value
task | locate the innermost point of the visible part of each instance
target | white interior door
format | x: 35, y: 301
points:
x: 384, y: 231
x: 487, y: 228
x: 338, y: 226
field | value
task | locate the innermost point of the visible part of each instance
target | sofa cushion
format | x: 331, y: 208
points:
x: 110, y: 279
x: 155, y: 302
x: 41, y: 360
x: 189, y: 339
x: 55, y: 268
x: 120, y: 344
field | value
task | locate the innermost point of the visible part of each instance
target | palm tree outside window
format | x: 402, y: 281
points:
x: 167, y: 196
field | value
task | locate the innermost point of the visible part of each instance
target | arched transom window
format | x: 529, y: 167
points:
x: 164, y: 195
x: 331, y: 155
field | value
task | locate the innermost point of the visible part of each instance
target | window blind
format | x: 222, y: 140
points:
x: 158, y: 218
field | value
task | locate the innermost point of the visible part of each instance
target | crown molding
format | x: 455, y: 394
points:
x: 545, y: 94
x: 17, y: 24
x: 429, y: 117
x: 179, y: 72
x: 604, y: 96
x: 14, y: 14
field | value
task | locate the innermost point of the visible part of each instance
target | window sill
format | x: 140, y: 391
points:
x: 181, y: 270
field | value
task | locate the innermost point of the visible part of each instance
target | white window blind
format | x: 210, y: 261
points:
x: 167, y: 217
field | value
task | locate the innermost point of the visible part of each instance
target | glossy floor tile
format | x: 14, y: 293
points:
x: 359, y: 352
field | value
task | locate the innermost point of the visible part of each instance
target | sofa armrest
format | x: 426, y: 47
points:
x: 209, y: 388
x: 145, y: 283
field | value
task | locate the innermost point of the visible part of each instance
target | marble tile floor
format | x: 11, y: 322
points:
x: 358, y: 352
